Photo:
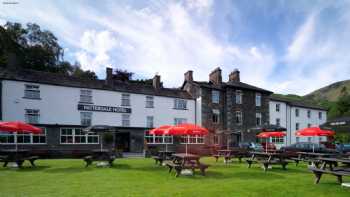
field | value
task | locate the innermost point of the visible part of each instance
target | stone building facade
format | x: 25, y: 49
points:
x: 230, y: 110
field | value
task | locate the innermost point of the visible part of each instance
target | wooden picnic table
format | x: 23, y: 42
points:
x: 17, y: 156
x: 228, y: 154
x: 163, y: 156
x: 186, y: 161
x: 334, y: 168
x: 267, y: 159
x: 311, y: 157
x: 100, y: 155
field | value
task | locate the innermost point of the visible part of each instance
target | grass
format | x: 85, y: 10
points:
x: 140, y: 177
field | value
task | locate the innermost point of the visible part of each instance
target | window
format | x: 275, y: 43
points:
x: 309, y: 113
x: 149, y: 101
x: 86, y: 96
x: 320, y: 115
x: 32, y: 91
x: 239, y: 118
x: 277, y: 140
x: 258, y: 99
x: 215, y: 96
x: 296, y: 112
x: 32, y: 116
x: 125, y: 120
x: 23, y: 138
x: 216, y: 139
x: 216, y: 116
x: 278, y: 107
x: 192, y: 139
x: 158, y: 139
x: 308, y: 139
x: 309, y: 125
x: 125, y: 99
x: 149, y: 122
x: 86, y: 118
x: 180, y: 104
x: 258, y: 118
x: 238, y: 97
x: 297, y: 126
x: 179, y: 121
x: 278, y: 122
x: 297, y: 139
x: 77, y: 136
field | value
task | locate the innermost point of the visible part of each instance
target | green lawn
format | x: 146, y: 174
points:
x: 140, y: 177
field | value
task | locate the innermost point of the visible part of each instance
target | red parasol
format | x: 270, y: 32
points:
x: 314, y: 131
x: 160, y: 130
x: 19, y: 127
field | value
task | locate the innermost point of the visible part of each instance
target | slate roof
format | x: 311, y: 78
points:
x: 297, y: 103
x: 239, y: 85
x: 69, y: 81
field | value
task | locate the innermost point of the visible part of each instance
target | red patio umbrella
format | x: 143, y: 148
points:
x: 160, y: 131
x: 270, y: 134
x: 19, y: 127
x: 314, y: 131
x: 186, y: 129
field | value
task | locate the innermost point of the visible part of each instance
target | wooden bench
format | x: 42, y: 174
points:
x: 310, y: 161
x: 19, y: 161
x: 178, y: 167
x: 274, y: 162
x: 338, y: 172
x: 158, y: 160
x: 89, y: 160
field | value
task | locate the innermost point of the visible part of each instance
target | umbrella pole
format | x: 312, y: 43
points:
x: 313, y: 145
x: 16, y: 142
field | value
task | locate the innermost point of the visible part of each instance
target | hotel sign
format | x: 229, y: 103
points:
x: 100, y: 108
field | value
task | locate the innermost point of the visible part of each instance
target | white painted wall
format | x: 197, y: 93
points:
x: 58, y: 105
x: 289, y: 120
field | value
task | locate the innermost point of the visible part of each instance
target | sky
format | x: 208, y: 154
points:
x: 289, y: 47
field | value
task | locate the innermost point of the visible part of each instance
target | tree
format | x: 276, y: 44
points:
x: 123, y: 75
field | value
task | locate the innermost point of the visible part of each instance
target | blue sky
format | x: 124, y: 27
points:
x: 284, y: 46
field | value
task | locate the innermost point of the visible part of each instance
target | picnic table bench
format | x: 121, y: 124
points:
x: 162, y: 156
x: 228, y: 154
x: 18, y: 157
x: 186, y: 161
x: 99, y: 155
x: 332, y: 169
x: 310, y: 157
x: 267, y: 159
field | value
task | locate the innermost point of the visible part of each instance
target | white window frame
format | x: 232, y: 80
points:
x: 150, y: 121
x: 277, y: 140
x: 308, y: 113
x: 297, y: 126
x: 239, y: 97
x: 216, y: 113
x: 158, y: 139
x: 309, y: 125
x: 31, y: 136
x: 215, y: 96
x: 125, y: 100
x: 192, y: 139
x: 149, y: 102
x: 258, y: 99
x: 178, y: 121
x: 239, y: 117
x: 85, y: 96
x: 278, y: 121
x: 84, y: 121
x: 216, y: 140
x: 297, y: 112
x: 180, y: 104
x: 31, y: 91
x: 87, y: 135
x: 125, y: 120
x: 278, y: 107
x: 30, y: 114
x: 258, y: 116
x: 320, y: 115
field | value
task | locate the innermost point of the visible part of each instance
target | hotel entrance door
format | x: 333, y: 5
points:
x: 122, y: 141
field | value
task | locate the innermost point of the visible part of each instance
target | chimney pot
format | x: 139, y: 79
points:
x: 109, y: 76
x: 215, y: 76
x: 234, y: 76
x: 156, y: 82
x: 189, y: 75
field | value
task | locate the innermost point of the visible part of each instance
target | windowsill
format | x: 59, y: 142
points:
x: 149, y: 107
x: 86, y: 102
x: 180, y: 109
x: 31, y: 98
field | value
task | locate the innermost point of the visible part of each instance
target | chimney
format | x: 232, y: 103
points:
x: 109, y: 76
x: 234, y: 76
x: 215, y: 76
x: 156, y: 82
x: 189, y: 75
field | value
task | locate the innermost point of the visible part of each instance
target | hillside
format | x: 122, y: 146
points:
x: 331, y: 92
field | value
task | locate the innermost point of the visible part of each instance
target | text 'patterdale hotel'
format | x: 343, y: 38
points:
x: 64, y: 105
